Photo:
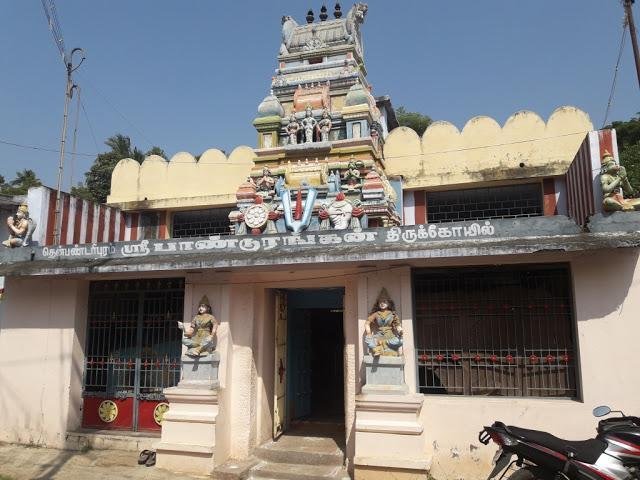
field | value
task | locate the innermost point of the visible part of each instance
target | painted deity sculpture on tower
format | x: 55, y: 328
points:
x: 614, y: 181
x: 383, y: 331
x: 20, y: 228
x: 266, y: 183
x: 292, y: 129
x: 198, y: 336
x: 309, y: 124
x: 324, y: 126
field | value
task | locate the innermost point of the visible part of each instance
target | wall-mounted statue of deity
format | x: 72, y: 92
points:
x: 614, y: 182
x: 200, y: 334
x: 20, y: 228
x: 383, y: 331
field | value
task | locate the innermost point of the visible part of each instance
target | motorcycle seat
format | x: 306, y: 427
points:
x: 587, y: 451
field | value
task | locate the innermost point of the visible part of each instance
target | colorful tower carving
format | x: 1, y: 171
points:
x: 321, y: 130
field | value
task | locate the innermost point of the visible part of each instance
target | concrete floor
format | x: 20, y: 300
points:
x: 18, y: 462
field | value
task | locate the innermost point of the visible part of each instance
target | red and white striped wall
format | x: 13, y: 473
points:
x: 584, y: 193
x: 414, y: 207
x: 82, y: 221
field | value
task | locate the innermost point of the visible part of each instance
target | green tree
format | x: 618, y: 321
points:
x: 413, y: 120
x: 156, y: 151
x: 25, y: 179
x: 97, y: 184
x: 628, y: 135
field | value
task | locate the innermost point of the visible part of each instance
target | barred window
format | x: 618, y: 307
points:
x: 510, y: 201
x: 495, y: 331
x: 201, y: 223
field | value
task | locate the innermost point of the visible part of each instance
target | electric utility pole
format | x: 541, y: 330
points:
x: 632, y: 30
x: 70, y: 87
x: 49, y: 8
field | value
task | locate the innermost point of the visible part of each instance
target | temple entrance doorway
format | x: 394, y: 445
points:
x: 309, y: 370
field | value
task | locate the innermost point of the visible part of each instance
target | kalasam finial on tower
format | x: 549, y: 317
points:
x: 323, y: 13
x: 337, y: 12
x: 310, y: 16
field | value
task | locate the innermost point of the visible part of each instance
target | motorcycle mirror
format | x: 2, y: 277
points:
x: 601, y: 411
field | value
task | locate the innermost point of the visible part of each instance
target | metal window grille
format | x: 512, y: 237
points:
x: 202, y: 223
x: 495, y: 331
x: 483, y: 203
x: 133, y: 344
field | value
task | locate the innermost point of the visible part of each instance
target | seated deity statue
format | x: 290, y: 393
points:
x: 198, y: 336
x: 266, y: 183
x: 383, y: 331
x: 20, y: 228
x: 614, y: 181
x: 352, y: 175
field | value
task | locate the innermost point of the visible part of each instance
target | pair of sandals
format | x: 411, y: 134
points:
x: 147, y: 458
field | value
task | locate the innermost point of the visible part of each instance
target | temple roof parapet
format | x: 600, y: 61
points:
x: 525, y: 147
x: 214, y: 175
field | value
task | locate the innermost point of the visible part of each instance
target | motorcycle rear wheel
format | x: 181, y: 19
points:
x: 531, y: 473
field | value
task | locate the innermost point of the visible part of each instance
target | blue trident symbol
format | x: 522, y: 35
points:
x: 298, y: 220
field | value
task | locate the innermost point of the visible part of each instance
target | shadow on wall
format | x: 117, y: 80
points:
x: 602, y: 286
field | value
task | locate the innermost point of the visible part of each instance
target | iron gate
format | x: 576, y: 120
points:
x: 132, y: 352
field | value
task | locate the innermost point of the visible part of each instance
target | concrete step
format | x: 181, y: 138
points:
x: 301, y: 450
x: 235, y: 469
x: 84, y: 440
x: 291, y: 471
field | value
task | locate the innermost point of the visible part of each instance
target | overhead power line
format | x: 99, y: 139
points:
x: 54, y: 25
x: 43, y: 149
x: 122, y: 115
x: 465, y: 149
x: 615, y: 71
x: 86, y: 116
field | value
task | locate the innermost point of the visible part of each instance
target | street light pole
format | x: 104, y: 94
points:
x: 634, y: 38
x: 67, y: 98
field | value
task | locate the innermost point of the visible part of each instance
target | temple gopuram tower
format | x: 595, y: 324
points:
x: 321, y: 134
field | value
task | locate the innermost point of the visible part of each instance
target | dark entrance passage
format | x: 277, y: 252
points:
x: 315, y: 356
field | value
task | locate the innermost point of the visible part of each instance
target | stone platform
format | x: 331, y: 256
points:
x: 308, y: 451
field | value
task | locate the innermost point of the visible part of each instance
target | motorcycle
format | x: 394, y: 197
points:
x: 614, y: 454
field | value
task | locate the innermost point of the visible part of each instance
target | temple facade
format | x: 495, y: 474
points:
x: 346, y: 298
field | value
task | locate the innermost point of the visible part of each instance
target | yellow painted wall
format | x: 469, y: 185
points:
x: 182, y: 177
x: 485, y: 151
x: 525, y: 147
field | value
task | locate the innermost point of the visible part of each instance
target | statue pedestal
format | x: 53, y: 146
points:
x: 389, y: 437
x: 199, y: 372
x: 188, y: 436
x: 389, y: 434
x: 384, y: 375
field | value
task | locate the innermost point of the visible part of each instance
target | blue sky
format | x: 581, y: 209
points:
x: 189, y: 75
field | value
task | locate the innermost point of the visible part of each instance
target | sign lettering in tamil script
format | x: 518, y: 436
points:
x: 265, y: 243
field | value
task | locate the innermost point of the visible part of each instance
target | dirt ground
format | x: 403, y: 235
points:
x: 18, y: 462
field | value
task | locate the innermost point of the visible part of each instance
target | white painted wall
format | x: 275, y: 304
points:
x: 42, y: 331
x: 40, y: 360
x: 607, y: 298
